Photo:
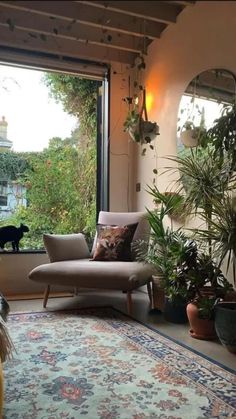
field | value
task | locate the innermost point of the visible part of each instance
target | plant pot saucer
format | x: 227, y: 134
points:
x: 202, y: 337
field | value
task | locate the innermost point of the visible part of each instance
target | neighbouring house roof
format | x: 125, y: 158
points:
x: 5, y: 143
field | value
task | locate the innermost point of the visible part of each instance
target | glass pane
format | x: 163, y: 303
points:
x: 3, y: 201
x: 47, y: 153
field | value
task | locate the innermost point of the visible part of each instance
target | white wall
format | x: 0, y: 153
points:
x: 203, y: 38
x: 14, y: 270
x: 122, y: 149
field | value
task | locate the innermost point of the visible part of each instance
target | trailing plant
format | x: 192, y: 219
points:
x: 137, y: 124
x: 141, y: 130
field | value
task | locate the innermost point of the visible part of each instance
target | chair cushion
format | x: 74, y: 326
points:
x: 114, y: 242
x: 65, y: 246
x: 86, y: 274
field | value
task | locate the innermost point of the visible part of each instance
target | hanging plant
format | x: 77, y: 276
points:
x: 140, y: 129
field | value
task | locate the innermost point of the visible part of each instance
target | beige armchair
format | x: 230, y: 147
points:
x: 71, y: 264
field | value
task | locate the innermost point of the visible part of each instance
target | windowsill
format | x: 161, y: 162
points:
x: 22, y: 252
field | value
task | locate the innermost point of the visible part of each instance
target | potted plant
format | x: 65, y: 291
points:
x: 178, y: 209
x: 171, y: 254
x: 208, y: 182
x: 225, y: 323
x: 137, y: 124
x: 222, y: 236
x: 140, y: 129
x: 192, y: 135
x: 207, y: 285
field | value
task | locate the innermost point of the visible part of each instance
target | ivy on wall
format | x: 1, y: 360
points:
x: 13, y: 165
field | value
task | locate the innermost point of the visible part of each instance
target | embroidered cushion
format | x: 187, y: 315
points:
x: 114, y: 242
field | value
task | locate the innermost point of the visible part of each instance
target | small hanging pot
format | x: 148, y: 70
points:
x: 143, y: 131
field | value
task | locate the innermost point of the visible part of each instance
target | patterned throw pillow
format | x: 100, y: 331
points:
x: 114, y: 242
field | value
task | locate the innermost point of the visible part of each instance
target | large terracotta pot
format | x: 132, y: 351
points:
x: 200, y: 328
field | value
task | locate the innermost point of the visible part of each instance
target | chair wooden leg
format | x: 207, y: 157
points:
x: 150, y: 294
x: 129, y: 302
x: 46, y: 294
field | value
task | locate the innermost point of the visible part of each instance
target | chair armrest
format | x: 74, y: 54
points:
x: 66, y: 247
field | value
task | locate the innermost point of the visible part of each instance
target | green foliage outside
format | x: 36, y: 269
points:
x: 78, y: 97
x: 60, y: 181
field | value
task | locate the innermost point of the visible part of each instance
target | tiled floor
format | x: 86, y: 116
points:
x: 141, y: 311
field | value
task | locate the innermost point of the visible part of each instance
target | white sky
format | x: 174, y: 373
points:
x: 33, y: 118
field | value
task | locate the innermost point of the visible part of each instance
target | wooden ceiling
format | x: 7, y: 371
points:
x: 99, y: 31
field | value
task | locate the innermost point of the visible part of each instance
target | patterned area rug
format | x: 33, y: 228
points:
x: 98, y: 363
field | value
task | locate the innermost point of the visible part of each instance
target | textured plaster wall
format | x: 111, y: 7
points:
x: 202, y: 38
x: 122, y: 150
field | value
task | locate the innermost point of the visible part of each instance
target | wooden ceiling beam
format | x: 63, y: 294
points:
x: 182, y: 2
x: 92, y: 16
x: 70, y: 48
x: 158, y: 11
x: 36, y: 24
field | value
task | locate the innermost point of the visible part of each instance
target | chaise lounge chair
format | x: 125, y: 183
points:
x: 72, y: 264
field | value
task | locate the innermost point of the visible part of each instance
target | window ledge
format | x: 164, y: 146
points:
x: 22, y: 252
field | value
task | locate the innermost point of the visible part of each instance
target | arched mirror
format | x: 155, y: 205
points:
x: 202, y: 104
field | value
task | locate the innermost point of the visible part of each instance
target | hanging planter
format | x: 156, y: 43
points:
x: 140, y: 129
x: 190, y: 135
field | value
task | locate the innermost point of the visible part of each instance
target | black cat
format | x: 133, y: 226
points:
x: 12, y: 234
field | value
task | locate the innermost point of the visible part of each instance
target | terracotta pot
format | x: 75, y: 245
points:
x: 200, y: 328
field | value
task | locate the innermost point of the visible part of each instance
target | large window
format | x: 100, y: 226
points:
x: 48, y: 153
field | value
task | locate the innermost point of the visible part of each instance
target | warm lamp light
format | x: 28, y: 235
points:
x: 149, y: 101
